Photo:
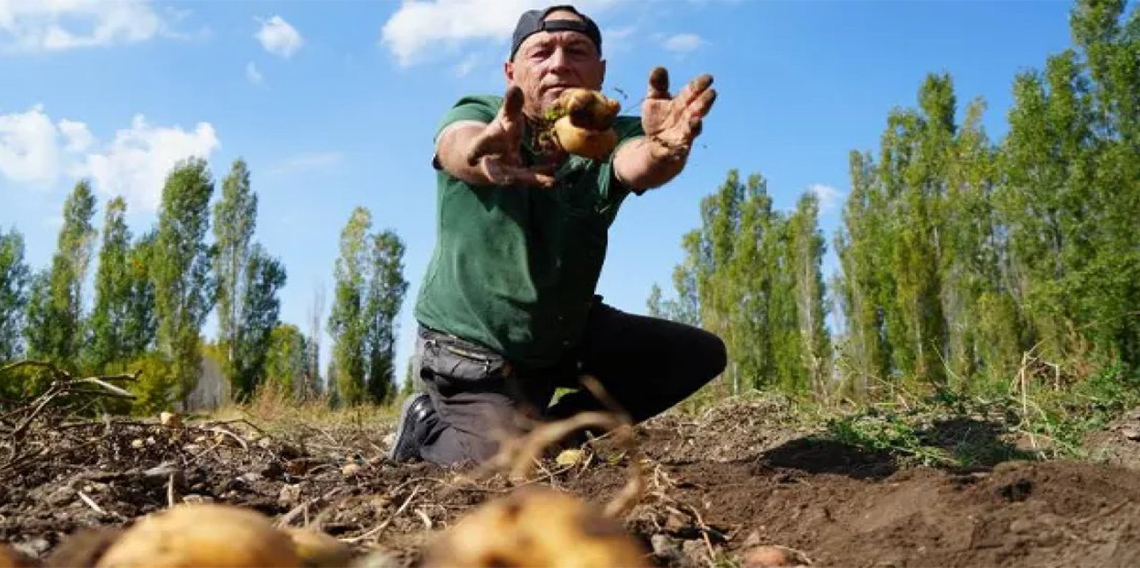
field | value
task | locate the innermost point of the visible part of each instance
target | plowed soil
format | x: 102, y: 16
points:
x: 716, y: 485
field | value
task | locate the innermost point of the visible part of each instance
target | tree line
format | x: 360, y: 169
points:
x: 154, y: 291
x: 962, y: 260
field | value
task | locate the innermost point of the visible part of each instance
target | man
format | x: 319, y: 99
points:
x: 507, y: 310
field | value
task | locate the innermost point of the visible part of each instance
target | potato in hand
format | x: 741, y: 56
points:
x: 583, y: 123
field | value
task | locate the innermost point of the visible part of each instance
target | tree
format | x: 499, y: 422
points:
x: 14, y: 276
x: 806, y: 248
x: 386, y: 291
x: 312, y: 385
x: 235, y: 217
x: 751, y: 275
x: 346, y: 322
x: 141, y: 325
x: 286, y: 366
x: 113, y: 283
x: 369, y: 291
x: 38, y: 319
x: 260, y: 306
x: 181, y: 264
x: 59, y: 333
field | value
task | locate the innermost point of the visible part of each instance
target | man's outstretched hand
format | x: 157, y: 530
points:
x: 672, y: 123
x: 497, y: 150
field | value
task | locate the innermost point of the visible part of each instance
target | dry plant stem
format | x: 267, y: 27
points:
x: 425, y: 518
x: 63, y: 384
x: 223, y: 431
x: 380, y: 528
x: 170, y: 497
x: 531, y: 447
x: 303, y: 508
x: 91, y: 503
x: 704, y: 530
x: 235, y: 421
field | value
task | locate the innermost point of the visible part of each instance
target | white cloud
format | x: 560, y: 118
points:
x: 279, y: 38
x: 36, y: 152
x: 29, y: 152
x: 136, y: 163
x: 76, y: 134
x: 464, y: 68
x: 683, y: 43
x: 419, y: 28
x: 56, y: 25
x: 252, y: 74
x: 306, y: 162
x: 829, y: 197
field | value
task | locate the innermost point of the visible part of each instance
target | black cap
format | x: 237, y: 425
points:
x: 531, y: 22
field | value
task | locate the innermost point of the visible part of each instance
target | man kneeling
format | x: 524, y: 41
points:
x: 508, y: 311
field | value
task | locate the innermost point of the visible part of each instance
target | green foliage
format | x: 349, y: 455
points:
x: 346, y: 323
x: 286, y: 362
x: 386, y: 290
x: 884, y: 433
x: 157, y: 386
x: 975, y: 277
x: 263, y: 277
x: 369, y: 291
x: 180, y: 268
x: 753, y: 275
x: 58, y: 301
x: 122, y: 323
x: 235, y: 216
x: 14, y: 277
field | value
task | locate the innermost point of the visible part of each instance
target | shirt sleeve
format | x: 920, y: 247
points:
x: 628, y: 128
x: 470, y: 108
x: 480, y: 109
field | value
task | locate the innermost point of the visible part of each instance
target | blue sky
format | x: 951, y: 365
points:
x: 334, y: 103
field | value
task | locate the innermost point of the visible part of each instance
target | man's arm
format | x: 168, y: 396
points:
x: 486, y: 154
x: 636, y: 166
x: 453, y: 146
x: 671, y: 125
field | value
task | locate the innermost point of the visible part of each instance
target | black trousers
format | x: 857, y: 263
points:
x: 646, y: 365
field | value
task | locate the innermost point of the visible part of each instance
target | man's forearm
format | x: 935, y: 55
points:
x: 454, y: 146
x: 640, y: 165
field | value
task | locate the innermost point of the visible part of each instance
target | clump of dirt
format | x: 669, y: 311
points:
x: 716, y: 485
x: 735, y: 429
x: 1118, y: 443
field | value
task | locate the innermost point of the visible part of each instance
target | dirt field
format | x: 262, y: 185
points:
x: 715, y: 486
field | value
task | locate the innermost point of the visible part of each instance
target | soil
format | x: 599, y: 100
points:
x: 716, y: 485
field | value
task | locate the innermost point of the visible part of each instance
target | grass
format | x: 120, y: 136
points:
x: 1034, y: 416
x: 994, y: 421
x: 278, y: 413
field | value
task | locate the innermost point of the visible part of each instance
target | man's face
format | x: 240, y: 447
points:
x: 549, y: 62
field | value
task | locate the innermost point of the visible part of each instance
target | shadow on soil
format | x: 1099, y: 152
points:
x: 821, y: 455
x: 957, y: 444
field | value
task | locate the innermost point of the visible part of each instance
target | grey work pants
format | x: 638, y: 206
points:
x: 645, y: 364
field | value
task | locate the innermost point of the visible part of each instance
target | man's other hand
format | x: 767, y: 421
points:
x: 672, y: 123
x: 496, y: 151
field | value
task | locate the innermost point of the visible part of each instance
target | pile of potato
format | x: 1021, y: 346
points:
x: 530, y: 527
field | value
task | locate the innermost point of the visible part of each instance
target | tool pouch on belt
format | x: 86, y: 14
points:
x: 444, y: 356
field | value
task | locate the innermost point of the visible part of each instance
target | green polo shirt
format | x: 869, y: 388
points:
x: 515, y: 268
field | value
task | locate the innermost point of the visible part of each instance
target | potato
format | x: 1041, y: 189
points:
x: 319, y: 550
x: 593, y: 144
x: 83, y: 548
x: 12, y: 558
x: 772, y: 556
x: 538, y: 527
x: 588, y: 109
x: 202, y: 535
x: 583, y: 123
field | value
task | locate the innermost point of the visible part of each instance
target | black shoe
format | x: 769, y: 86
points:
x: 417, y: 416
